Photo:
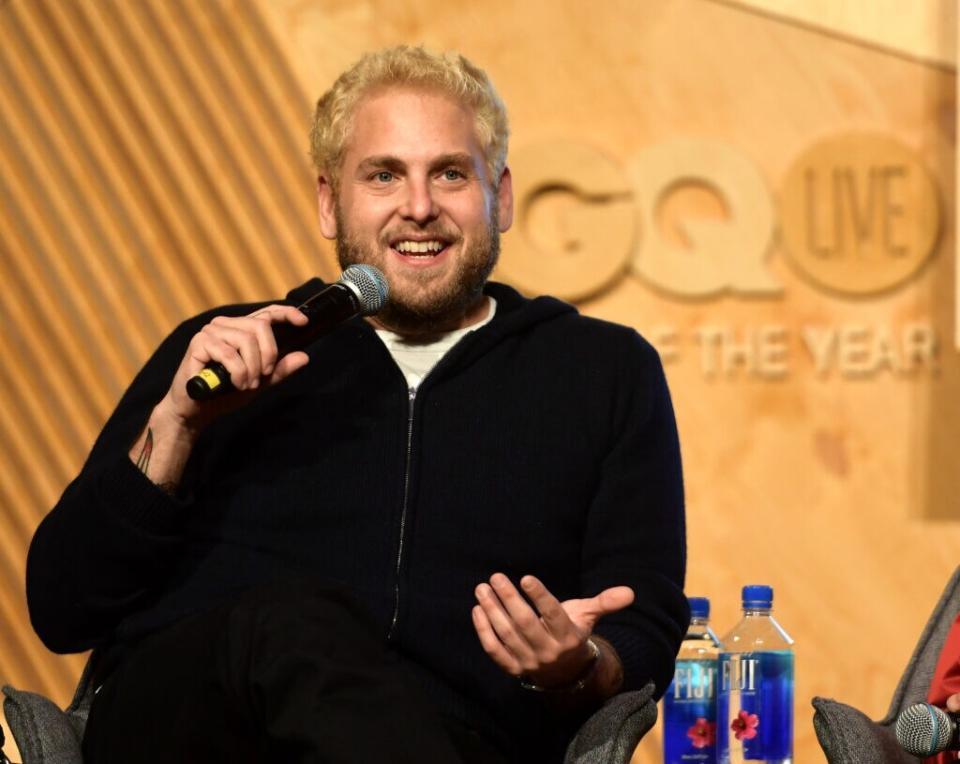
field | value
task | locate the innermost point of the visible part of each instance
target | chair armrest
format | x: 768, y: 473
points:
x: 611, y: 734
x: 848, y: 736
x: 44, y: 734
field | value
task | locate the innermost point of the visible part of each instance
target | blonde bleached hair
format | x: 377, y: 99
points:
x: 409, y: 67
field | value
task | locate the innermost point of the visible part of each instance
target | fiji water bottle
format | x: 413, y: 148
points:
x: 690, y: 703
x: 755, y: 702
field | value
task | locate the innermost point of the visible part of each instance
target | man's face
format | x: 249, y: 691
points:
x: 415, y: 200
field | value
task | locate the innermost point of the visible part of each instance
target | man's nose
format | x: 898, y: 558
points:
x: 419, y: 204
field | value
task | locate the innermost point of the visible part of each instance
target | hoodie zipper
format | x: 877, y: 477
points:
x: 411, y: 399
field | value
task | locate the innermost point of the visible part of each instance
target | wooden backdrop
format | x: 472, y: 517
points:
x: 153, y: 163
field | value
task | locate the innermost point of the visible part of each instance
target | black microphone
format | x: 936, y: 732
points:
x: 361, y: 291
x: 925, y: 730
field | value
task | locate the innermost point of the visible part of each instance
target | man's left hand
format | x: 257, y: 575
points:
x: 547, y: 645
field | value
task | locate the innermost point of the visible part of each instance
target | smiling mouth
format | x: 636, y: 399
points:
x: 419, y: 250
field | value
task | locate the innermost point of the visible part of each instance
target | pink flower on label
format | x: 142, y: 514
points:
x: 702, y: 733
x: 744, y: 727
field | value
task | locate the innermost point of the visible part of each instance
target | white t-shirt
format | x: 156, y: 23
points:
x: 416, y: 358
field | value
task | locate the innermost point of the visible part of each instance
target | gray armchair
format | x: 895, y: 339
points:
x: 848, y: 736
x: 47, y: 735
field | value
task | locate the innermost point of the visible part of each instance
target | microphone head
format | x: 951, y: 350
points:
x: 924, y: 730
x: 369, y: 285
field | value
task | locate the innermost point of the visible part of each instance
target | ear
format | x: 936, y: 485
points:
x: 505, y: 200
x: 326, y: 208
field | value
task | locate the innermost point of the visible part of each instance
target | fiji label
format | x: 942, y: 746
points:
x: 740, y: 675
x: 690, y: 713
x: 755, y: 707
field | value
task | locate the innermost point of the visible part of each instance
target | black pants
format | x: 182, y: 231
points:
x: 283, y: 674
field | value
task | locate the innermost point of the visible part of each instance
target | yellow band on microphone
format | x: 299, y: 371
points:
x: 208, y: 376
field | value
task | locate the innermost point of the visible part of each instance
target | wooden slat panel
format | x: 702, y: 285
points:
x: 153, y: 163
x: 243, y: 124
x: 127, y: 87
x: 38, y: 280
x: 219, y: 151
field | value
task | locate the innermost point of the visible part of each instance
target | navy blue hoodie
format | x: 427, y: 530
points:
x: 543, y: 443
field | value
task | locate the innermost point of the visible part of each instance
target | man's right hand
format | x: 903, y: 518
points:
x: 246, y: 347
x: 953, y: 703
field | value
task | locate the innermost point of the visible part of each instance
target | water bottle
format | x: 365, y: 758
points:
x: 755, y: 702
x: 690, y: 703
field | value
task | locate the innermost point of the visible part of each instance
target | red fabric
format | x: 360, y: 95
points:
x: 946, y: 682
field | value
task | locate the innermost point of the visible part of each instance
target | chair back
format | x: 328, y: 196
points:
x: 915, y: 682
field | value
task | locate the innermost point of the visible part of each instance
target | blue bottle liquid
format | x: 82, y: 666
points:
x: 690, y: 703
x: 755, y: 702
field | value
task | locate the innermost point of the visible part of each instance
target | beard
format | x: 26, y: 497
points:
x: 427, y: 304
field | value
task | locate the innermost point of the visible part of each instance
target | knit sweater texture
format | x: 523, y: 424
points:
x: 542, y: 443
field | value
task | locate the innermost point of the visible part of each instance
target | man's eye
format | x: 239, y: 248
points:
x: 384, y: 176
x: 452, y: 174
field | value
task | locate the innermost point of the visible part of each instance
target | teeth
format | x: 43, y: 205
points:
x: 419, y: 247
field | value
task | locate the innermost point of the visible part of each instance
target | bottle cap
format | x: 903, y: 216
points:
x: 757, y: 596
x: 699, y: 607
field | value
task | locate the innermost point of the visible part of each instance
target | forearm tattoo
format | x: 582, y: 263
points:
x: 143, y: 464
x: 143, y: 458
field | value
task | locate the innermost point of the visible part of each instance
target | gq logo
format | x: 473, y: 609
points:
x: 859, y: 215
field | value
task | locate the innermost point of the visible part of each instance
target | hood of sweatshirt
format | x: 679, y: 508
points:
x: 515, y: 314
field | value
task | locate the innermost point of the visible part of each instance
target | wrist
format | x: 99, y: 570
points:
x: 578, y: 683
x: 609, y: 675
x: 163, y: 447
x: 602, y: 679
x: 165, y: 420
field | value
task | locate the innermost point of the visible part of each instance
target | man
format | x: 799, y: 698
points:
x: 945, y: 684
x: 341, y: 567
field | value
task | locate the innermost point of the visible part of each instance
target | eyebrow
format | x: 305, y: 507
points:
x: 459, y: 159
x: 385, y: 162
x: 389, y: 162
